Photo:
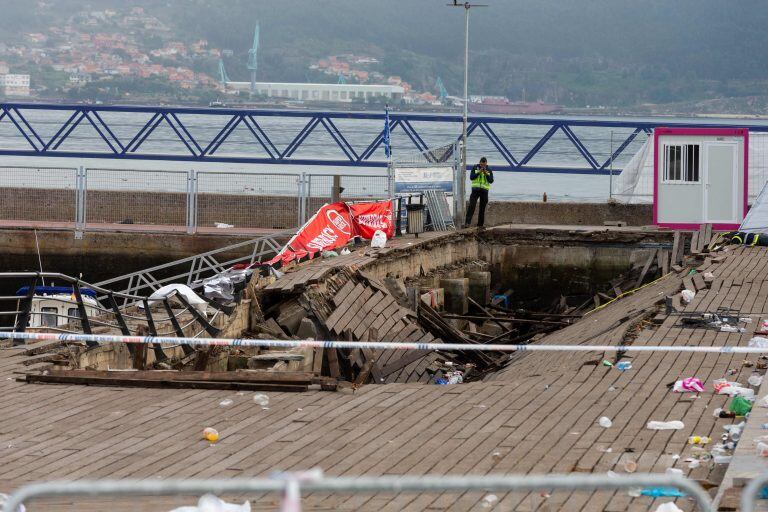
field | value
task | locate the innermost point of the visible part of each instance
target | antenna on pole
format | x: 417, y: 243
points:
x: 460, y: 195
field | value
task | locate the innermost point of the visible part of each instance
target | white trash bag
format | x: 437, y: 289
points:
x: 379, y: 240
x: 688, y: 296
x: 211, y: 503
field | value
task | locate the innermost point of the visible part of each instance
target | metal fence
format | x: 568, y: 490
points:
x: 175, y: 200
x: 292, y: 485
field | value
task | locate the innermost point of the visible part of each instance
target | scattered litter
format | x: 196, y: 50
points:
x: 635, y: 493
x: 226, y: 402
x: 611, y: 388
x: 662, y: 492
x: 490, y: 500
x: 211, y: 434
x: 379, y: 240
x: 345, y: 251
x: 722, y: 459
x: 730, y: 328
x: 4, y: 498
x: 329, y: 254
x: 740, y: 406
x: 223, y: 225
x: 720, y: 413
x: 605, y: 422
x: 688, y: 296
x: 623, y: 366
x: 699, y: 440
x: 763, y: 402
x: 210, y: 503
x: 755, y: 380
x: 734, y: 431
x: 762, y: 449
x: 665, y: 425
x: 299, y: 409
x: 668, y: 507
x: 607, y: 363
x: 261, y: 399
x: 225, y: 284
x: 708, y: 275
x: 692, y: 463
x: 676, y: 456
x: 758, y: 342
x: 723, y: 387
x: 673, y: 472
x: 630, y: 466
x: 691, y: 384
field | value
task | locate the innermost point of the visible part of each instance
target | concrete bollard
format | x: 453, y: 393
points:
x: 455, y: 295
x: 480, y: 287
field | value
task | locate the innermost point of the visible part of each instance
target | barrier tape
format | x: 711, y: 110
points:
x: 374, y: 345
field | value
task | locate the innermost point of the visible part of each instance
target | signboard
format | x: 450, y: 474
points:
x: 419, y: 179
x: 370, y: 217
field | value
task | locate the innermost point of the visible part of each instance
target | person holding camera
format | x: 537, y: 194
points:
x: 481, y: 177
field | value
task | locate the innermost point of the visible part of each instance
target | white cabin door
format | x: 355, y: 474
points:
x: 720, y: 182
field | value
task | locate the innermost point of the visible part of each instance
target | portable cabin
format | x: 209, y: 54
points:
x: 700, y: 177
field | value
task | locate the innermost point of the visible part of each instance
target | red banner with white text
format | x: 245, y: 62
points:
x: 334, y: 225
x: 370, y: 217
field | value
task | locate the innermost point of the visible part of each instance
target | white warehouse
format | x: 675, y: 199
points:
x: 321, y: 92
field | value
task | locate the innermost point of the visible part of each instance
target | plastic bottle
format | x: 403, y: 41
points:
x: 261, y: 399
x: 605, y: 422
x: 674, y: 472
x: 665, y: 425
x: 624, y: 365
x: 211, y: 434
x: 762, y: 449
x: 699, y: 440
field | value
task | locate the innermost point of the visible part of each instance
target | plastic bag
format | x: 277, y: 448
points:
x: 605, y: 422
x: 665, y: 425
x: 691, y: 384
x: 758, y: 342
x: 688, y: 296
x: 669, y: 507
x: 755, y: 380
x: 345, y: 251
x: 740, y: 406
x: 210, y: 503
x: 379, y: 240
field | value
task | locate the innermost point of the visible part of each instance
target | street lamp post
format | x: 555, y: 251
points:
x: 460, y: 193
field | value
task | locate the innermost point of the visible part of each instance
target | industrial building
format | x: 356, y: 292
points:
x: 15, y: 85
x: 321, y: 92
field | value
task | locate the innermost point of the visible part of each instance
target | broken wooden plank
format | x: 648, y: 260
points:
x: 643, y: 272
x: 53, y: 378
x: 676, y: 248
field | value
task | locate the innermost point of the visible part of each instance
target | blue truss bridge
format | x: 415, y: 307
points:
x: 302, y: 137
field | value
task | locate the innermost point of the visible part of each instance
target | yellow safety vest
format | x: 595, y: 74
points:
x: 481, y: 181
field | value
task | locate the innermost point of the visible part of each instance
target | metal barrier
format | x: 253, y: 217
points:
x: 193, y: 269
x: 105, y: 313
x: 753, y: 491
x: 292, y: 485
x: 174, y: 200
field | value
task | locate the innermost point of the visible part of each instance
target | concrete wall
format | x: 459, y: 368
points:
x: 584, y: 214
x: 271, y: 212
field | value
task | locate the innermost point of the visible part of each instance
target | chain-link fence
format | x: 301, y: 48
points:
x: 45, y: 194
x: 248, y: 200
x: 132, y: 196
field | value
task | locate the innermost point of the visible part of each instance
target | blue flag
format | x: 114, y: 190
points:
x: 387, y: 147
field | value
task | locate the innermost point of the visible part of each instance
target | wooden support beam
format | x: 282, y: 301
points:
x: 645, y: 269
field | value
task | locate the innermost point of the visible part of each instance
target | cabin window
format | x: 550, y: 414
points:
x: 49, y: 317
x: 73, y: 313
x: 682, y: 163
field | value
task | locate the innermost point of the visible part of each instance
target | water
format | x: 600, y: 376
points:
x: 526, y: 186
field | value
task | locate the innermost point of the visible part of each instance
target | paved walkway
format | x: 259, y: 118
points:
x: 539, y: 415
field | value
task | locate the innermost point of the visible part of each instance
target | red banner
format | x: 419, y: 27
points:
x: 370, y: 217
x: 334, y: 225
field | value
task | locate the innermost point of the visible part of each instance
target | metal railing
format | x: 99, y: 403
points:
x: 193, y: 269
x: 134, y: 317
x: 756, y: 489
x: 180, y: 201
x: 326, y: 138
x: 292, y: 485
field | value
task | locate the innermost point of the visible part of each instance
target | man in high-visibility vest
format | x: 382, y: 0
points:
x: 481, y: 177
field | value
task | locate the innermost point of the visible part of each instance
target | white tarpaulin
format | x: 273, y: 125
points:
x: 756, y: 220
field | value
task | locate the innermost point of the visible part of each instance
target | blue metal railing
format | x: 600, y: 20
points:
x: 355, y: 138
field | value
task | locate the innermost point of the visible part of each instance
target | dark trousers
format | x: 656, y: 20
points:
x: 477, y: 193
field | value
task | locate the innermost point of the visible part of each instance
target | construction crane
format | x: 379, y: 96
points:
x: 253, y: 64
x: 442, y: 92
x: 223, y: 77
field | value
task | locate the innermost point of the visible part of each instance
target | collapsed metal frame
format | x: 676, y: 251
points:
x: 107, y: 304
x: 292, y: 485
x: 193, y: 269
x: 109, y: 145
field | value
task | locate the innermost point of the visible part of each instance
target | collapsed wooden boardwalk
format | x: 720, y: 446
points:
x: 538, y: 415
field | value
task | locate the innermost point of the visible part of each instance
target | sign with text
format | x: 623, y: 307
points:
x: 410, y: 180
